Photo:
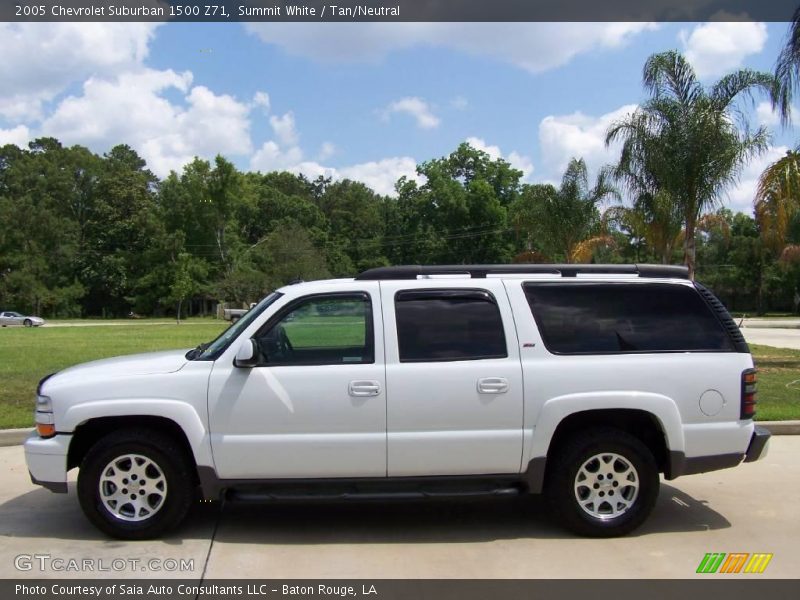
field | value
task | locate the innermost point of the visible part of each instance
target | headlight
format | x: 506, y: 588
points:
x: 45, y: 422
x: 44, y: 404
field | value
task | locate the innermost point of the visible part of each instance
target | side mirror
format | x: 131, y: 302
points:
x: 246, y: 356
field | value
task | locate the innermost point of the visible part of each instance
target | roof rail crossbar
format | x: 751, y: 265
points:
x: 481, y: 271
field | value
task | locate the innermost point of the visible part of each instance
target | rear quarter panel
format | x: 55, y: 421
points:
x: 667, y: 385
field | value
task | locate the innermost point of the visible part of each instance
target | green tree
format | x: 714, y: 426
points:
x: 288, y: 254
x: 654, y: 219
x: 689, y: 139
x: 566, y: 223
x: 119, y: 230
x: 787, y: 69
x: 777, y: 201
x: 459, y: 214
x: 187, y: 276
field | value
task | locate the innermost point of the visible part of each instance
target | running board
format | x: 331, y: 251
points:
x: 262, y: 495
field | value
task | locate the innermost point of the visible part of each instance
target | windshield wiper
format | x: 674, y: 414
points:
x: 195, y: 352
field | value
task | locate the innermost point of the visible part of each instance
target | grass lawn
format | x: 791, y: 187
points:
x: 26, y: 355
x: 778, y: 383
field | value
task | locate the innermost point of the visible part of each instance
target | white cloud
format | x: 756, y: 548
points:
x: 766, y: 115
x: 716, y: 48
x: 19, y: 136
x: 40, y: 60
x: 327, y: 150
x: 381, y: 175
x: 534, y: 47
x: 459, y: 103
x: 515, y: 159
x: 741, y: 196
x: 271, y: 157
x: 284, y: 129
x: 132, y: 108
x: 580, y: 136
x: 416, y: 108
x: 261, y: 99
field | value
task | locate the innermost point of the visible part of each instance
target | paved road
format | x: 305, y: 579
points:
x: 780, y: 323
x: 112, y: 323
x: 780, y: 338
x: 752, y: 508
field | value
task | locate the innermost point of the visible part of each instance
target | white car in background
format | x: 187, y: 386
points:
x: 9, y: 317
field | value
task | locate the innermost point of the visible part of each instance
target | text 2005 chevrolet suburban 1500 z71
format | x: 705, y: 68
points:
x: 581, y: 382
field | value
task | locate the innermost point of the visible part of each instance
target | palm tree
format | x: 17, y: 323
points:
x: 787, y: 69
x: 688, y: 140
x: 777, y: 203
x: 565, y: 222
x: 653, y: 218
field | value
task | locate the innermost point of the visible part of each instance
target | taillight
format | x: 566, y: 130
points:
x: 749, y: 385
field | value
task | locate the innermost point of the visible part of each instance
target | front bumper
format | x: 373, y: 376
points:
x: 47, y: 461
x: 759, y: 445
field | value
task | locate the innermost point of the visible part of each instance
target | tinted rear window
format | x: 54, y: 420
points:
x: 584, y: 318
x: 439, y: 325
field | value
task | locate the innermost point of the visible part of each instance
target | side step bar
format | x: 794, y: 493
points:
x: 277, y: 495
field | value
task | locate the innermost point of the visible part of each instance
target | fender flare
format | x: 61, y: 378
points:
x: 181, y: 413
x: 662, y: 408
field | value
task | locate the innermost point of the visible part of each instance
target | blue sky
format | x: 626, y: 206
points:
x: 358, y: 100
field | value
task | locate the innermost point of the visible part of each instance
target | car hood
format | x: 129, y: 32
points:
x: 150, y: 363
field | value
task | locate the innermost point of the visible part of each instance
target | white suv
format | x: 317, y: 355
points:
x: 583, y: 382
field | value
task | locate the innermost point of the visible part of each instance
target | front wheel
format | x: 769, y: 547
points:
x: 602, y: 483
x: 27, y: 323
x: 135, y: 484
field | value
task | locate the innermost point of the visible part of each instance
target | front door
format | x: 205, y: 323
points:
x: 315, y: 406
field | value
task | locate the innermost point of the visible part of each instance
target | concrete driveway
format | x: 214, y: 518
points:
x: 752, y: 508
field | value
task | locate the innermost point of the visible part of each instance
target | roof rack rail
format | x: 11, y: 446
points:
x: 481, y: 271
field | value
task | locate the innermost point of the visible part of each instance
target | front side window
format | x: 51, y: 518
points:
x: 448, y: 325
x: 614, y: 318
x: 212, y: 350
x: 319, y: 330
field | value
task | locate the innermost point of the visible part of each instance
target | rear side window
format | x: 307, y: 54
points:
x: 448, y: 325
x: 583, y: 318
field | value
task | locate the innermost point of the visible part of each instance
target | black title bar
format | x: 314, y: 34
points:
x: 396, y: 589
x: 396, y: 10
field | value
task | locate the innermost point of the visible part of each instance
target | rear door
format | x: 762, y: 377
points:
x: 454, y: 379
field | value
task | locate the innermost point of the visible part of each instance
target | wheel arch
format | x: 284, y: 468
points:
x: 660, y: 431
x: 89, y: 432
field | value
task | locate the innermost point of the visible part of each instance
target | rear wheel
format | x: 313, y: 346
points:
x: 235, y: 318
x: 602, y: 483
x: 135, y: 484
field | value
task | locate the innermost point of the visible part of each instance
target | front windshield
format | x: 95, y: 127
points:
x: 215, y: 348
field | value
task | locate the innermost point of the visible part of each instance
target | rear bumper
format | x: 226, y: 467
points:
x: 759, y: 445
x: 47, y: 461
x: 680, y: 464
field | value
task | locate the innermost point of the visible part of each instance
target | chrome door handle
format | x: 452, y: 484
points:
x: 364, y: 388
x: 492, y: 385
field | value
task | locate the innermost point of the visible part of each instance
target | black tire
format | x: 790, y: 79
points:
x: 234, y: 319
x: 27, y: 323
x: 161, y: 449
x: 562, y: 473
